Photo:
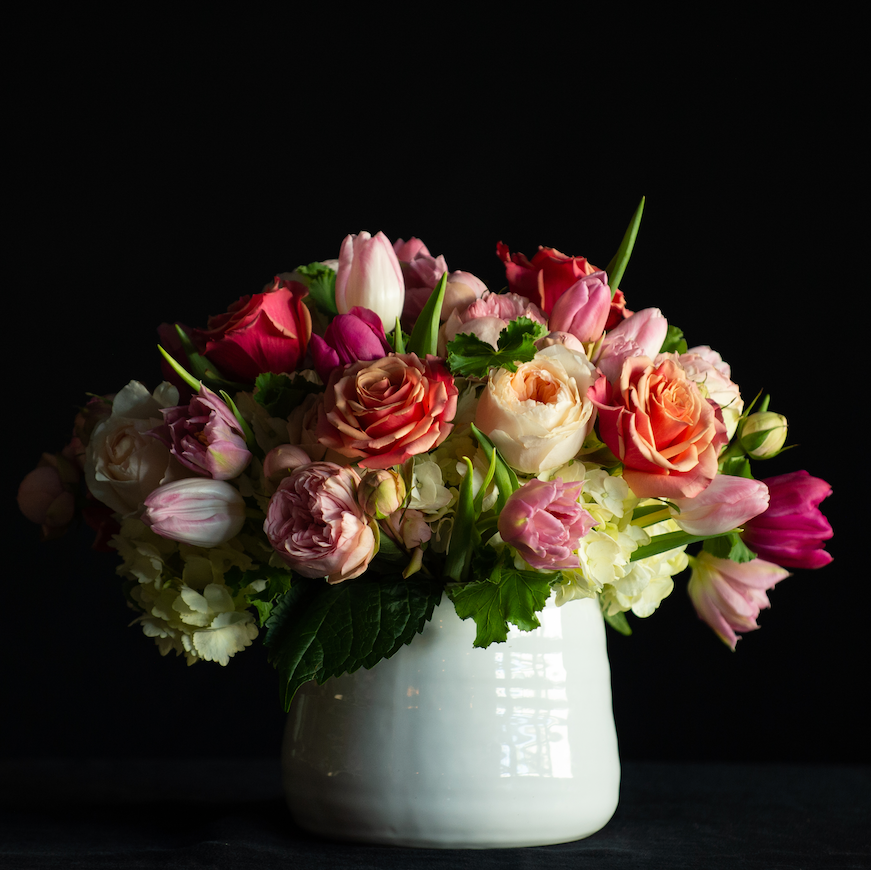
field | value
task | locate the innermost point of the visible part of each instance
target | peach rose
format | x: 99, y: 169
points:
x: 656, y: 421
x: 384, y: 411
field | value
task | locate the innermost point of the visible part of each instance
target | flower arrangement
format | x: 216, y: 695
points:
x: 327, y: 460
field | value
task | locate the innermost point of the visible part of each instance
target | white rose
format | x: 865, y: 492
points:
x: 539, y: 416
x: 124, y: 463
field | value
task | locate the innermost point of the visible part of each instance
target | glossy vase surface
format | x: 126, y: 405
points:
x: 445, y: 745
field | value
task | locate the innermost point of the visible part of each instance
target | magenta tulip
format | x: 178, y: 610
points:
x: 792, y: 531
x: 357, y: 335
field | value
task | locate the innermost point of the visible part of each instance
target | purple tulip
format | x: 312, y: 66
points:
x: 205, y: 436
x: 357, y: 335
x: 196, y: 511
x: 583, y: 309
x: 544, y: 522
x: 727, y: 503
x: 792, y: 531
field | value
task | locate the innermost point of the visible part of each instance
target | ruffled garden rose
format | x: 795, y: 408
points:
x: 266, y: 332
x: 314, y: 522
x: 539, y: 416
x: 546, y: 277
x: 656, y: 421
x: 124, y: 461
x: 384, y: 411
x: 714, y: 376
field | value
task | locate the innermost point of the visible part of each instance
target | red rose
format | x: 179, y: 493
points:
x: 546, y: 277
x: 266, y: 332
x: 384, y: 411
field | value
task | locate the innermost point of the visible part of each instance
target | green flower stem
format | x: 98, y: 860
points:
x: 652, y: 518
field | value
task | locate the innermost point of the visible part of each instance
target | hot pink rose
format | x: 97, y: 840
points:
x: 266, y: 332
x: 546, y: 277
x: 656, y: 421
x: 384, y: 411
x: 316, y: 525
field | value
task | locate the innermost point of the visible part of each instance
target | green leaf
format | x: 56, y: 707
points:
x: 278, y: 583
x: 729, y: 546
x: 674, y: 341
x: 503, y: 474
x: 618, y: 264
x: 318, y: 631
x: 668, y: 541
x: 425, y: 334
x: 507, y: 595
x: 280, y: 393
x: 618, y: 622
x: 463, y: 531
x: 469, y: 356
x: 398, y: 338
x: 321, y: 283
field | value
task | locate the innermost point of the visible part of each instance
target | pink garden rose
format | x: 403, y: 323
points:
x: 546, y: 277
x: 266, y: 332
x: 544, y: 522
x: 488, y: 316
x: 384, y: 411
x: 656, y: 421
x: 793, y: 530
x: 316, y: 525
x: 729, y: 595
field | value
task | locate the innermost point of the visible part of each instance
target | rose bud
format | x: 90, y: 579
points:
x: 197, y: 511
x: 763, y: 434
x: 381, y: 492
x: 281, y: 461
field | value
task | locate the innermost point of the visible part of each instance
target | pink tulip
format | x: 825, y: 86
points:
x: 357, y: 335
x: 205, y: 436
x: 728, y: 595
x: 544, y: 522
x: 642, y: 334
x: 583, y: 309
x: 369, y: 276
x: 792, y: 531
x: 197, y: 511
x: 726, y: 504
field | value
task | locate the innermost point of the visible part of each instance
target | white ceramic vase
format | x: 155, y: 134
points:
x: 445, y: 745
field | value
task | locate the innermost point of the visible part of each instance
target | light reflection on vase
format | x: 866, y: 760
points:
x: 447, y: 745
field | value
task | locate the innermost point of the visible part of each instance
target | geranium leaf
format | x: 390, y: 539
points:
x: 508, y: 595
x: 321, y: 283
x: 318, y: 631
x: 471, y: 357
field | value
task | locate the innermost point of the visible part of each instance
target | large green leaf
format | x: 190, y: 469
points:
x: 471, y: 357
x: 319, y: 631
x: 508, y: 595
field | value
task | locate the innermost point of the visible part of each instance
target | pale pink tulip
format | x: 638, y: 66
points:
x: 726, y: 504
x: 728, y: 595
x: 583, y: 309
x: 199, y: 511
x: 369, y: 275
x: 642, y: 334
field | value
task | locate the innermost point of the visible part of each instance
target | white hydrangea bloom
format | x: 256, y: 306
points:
x: 428, y: 492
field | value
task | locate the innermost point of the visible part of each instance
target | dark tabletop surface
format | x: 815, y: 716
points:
x: 230, y: 813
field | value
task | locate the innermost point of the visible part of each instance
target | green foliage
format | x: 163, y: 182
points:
x: 317, y: 631
x: 278, y: 581
x: 618, y: 264
x: 469, y: 356
x: 425, y: 334
x: 674, y: 341
x: 321, y: 283
x: 618, y: 622
x: 280, y: 394
x: 507, y: 595
x: 729, y: 547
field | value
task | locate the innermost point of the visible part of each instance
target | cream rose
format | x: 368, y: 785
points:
x: 125, y: 462
x: 539, y: 416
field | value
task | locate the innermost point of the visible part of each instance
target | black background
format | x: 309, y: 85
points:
x: 161, y: 171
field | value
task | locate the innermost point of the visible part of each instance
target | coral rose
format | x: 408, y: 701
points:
x: 384, y: 411
x: 656, y: 421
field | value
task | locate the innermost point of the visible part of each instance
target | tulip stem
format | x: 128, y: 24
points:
x: 652, y: 518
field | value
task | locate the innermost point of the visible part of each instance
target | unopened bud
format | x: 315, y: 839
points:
x: 381, y: 492
x: 763, y: 434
